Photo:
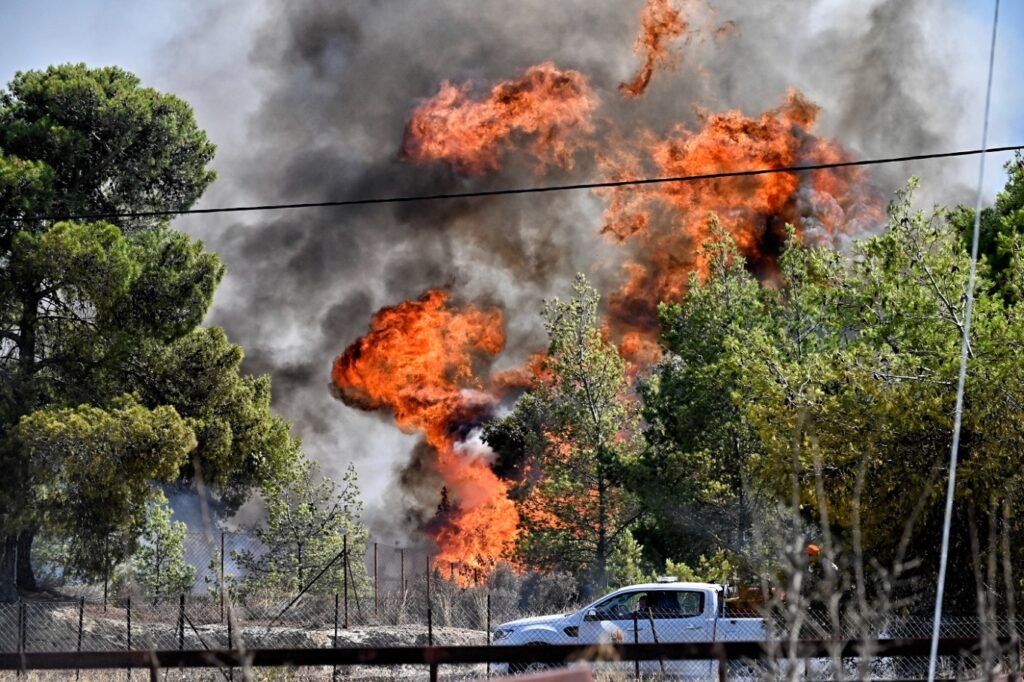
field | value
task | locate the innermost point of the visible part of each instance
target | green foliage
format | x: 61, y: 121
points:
x: 92, y: 468
x: 158, y: 564
x: 625, y: 565
x: 581, y: 426
x: 308, y: 517
x: 1001, y: 233
x: 91, y: 311
x: 835, y: 392
x: 97, y: 142
x: 693, y: 480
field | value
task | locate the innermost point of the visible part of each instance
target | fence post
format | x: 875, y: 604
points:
x: 334, y: 672
x: 106, y: 571
x: 401, y: 583
x: 430, y: 641
x: 344, y: 576
x: 129, y: 619
x: 376, y: 586
x: 222, y: 577
x: 81, y: 614
x: 636, y: 640
x: 181, y: 622
x: 488, y: 632
x: 428, y: 580
x: 231, y: 642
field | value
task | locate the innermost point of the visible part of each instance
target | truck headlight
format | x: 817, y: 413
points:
x: 502, y: 633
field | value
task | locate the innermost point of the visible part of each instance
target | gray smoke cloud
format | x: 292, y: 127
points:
x: 318, y: 107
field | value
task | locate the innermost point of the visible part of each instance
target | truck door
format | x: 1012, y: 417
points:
x: 678, y: 616
x: 612, y: 620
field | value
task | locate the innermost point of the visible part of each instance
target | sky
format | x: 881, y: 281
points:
x: 307, y: 100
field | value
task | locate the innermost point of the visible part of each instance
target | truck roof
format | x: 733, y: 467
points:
x: 670, y: 586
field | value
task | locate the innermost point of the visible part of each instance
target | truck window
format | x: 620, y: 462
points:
x: 619, y: 607
x: 677, y: 603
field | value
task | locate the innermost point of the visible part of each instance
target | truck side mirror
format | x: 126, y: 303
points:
x: 590, y: 615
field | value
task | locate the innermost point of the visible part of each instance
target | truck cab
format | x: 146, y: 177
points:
x: 665, y: 611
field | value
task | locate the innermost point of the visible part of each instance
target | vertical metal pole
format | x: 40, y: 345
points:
x: 636, y: 640
x: 344, y: 575
x: 401, y: 584
x: 376, y: 585
x: 451, y: 568
x: 231, y: 643
x: 428, y: 580
x: 488, y: 632
x: 222, y: 577
x: 106, y: 570
x: 156, y: 555
x: 430, y: 622
x: 129, y: 618
x: 334, y: 672
x: 81, y: 613
x: 20, y: 614
x: 181, y: 622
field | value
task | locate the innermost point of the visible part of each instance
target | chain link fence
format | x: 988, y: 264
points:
x: 395, y: 597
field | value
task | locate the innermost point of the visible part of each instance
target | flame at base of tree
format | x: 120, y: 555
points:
x: 421, y: 360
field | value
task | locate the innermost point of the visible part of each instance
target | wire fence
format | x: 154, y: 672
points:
x: 395, y: 597
x: 455, y: 616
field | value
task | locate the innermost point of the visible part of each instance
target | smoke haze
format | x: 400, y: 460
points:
x: 319, y: 111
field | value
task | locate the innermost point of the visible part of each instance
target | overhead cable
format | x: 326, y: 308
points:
x: 609, y: 184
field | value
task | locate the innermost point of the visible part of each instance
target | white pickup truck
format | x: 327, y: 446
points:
x: 665, y: 611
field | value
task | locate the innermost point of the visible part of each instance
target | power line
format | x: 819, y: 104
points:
x: 965, y: 346
x: 610, y: 184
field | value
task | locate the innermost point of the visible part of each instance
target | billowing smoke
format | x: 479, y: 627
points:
x: 336, y: 87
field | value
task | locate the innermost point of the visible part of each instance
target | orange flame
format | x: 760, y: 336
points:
x: 664, y: 225
x: 660, y: 24
x: 552, y: 106
x: 420, y: 361
x: 423, y: 360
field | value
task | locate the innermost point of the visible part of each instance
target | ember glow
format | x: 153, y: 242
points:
x: 420, y: 361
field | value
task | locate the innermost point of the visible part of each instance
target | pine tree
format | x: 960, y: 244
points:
x: 309, y: 517
x: 158, y: 564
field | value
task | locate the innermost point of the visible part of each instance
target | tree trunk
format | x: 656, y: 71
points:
x: 26, y: 576
x: 8, y: 569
